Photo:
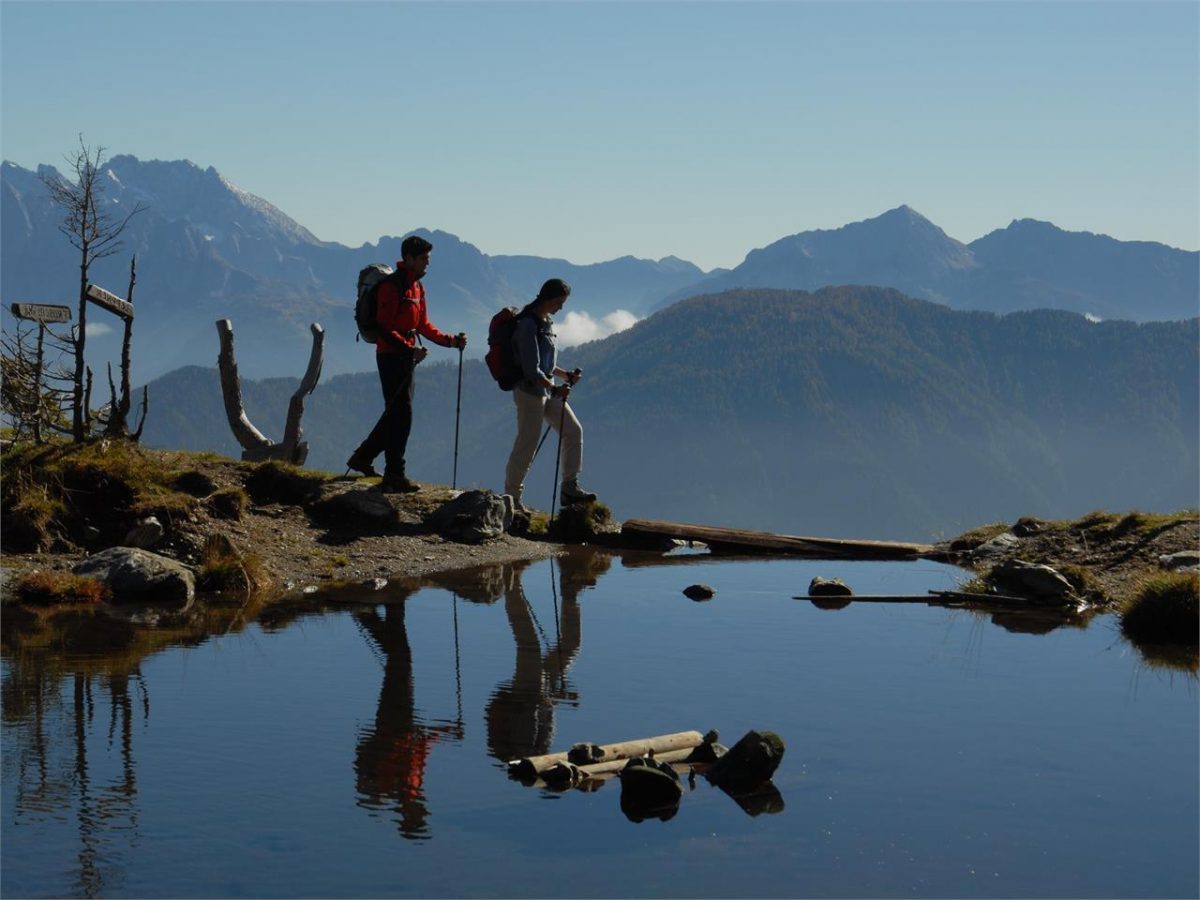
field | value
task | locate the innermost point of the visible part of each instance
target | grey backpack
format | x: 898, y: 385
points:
x: 369, y: 280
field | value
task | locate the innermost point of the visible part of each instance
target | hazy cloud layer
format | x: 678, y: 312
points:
x: 579, y: 327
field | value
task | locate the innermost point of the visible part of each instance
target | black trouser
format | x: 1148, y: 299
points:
x: 390, y: 433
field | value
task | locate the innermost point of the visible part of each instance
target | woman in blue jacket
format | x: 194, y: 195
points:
x: 538, y: 397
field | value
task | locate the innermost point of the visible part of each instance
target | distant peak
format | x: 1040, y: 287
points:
x: 902, y: 213
x: 1032, y: 223
x: 127, y: 162
x: 1036, y: 229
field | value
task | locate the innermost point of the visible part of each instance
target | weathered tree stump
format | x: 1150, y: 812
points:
x: 255, y: 446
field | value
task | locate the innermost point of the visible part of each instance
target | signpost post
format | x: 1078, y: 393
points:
x: 40, y: 313
x: 124, y: 309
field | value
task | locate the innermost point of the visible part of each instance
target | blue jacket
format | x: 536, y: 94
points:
x: 535, y: 347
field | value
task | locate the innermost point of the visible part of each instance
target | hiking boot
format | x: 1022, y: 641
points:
x: 359, y: 463
x: 398, y: 484
x: 519, y: 508
x: 571, y: 492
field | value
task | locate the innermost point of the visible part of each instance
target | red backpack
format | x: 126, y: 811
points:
x: 500, y: 359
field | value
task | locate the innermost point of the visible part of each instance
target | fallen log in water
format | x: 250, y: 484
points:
x: 652, y: 781
x: 932, y: 598
x: 531, y: 767
x: 565, y: 771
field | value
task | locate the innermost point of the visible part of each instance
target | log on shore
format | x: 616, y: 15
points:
x: 649, y: 532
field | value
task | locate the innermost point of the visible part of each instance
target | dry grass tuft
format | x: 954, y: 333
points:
x: 48, y: 588
x: 1165, y: 611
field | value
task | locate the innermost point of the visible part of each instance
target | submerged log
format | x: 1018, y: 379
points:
x: 983, y: 599
x: 531, y: 767
x: 647, y: 532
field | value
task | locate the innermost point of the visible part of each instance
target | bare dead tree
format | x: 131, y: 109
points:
x: 122, y: 406
x: 58, y: 381
x: 29, y: 396
x: 20, y: 384
x: 95, y: 233
x: 137, y: 434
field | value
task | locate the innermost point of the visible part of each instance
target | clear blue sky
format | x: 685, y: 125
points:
x: 593, y: 130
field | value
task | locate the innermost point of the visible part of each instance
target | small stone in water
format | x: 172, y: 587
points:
x: 699, y: 592
x: 828, y: 587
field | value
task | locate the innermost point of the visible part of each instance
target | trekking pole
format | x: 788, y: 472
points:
x: 545, y: 435
x: 562, y: 673
x: 457, y: 666
x: 457, y: 412
x: 561, y: 421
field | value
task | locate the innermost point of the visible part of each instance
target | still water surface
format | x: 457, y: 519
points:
x: 354, y: 749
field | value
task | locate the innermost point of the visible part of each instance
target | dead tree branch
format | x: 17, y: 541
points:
x: 256, y: 446
x: 293, y: 432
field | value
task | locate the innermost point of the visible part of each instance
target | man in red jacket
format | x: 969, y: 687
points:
x: 401, y: 315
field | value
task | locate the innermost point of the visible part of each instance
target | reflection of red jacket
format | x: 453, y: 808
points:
x: 401, y: 314
x: 401, y: 771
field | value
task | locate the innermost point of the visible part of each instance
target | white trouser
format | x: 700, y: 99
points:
x: 531, y: 412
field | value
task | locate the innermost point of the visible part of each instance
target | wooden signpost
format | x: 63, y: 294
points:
x: 41, y: 312
x: 109, y: 301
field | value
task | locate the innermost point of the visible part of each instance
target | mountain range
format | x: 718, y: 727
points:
x: 207, y: 249
x: 849, y: 411
x: 1028, y: 265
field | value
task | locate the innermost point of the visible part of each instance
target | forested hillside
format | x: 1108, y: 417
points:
x: 849, y: 411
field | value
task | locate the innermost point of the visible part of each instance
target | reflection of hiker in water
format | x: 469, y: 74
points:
x: 520, y: 712
x: 391, y: 755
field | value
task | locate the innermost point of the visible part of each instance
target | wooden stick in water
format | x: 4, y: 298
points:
x: 531, y: 766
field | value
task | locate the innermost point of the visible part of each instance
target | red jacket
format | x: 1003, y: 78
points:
x: 401, y: 314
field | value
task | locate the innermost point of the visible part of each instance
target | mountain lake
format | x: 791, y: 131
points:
x: 353, y: 743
